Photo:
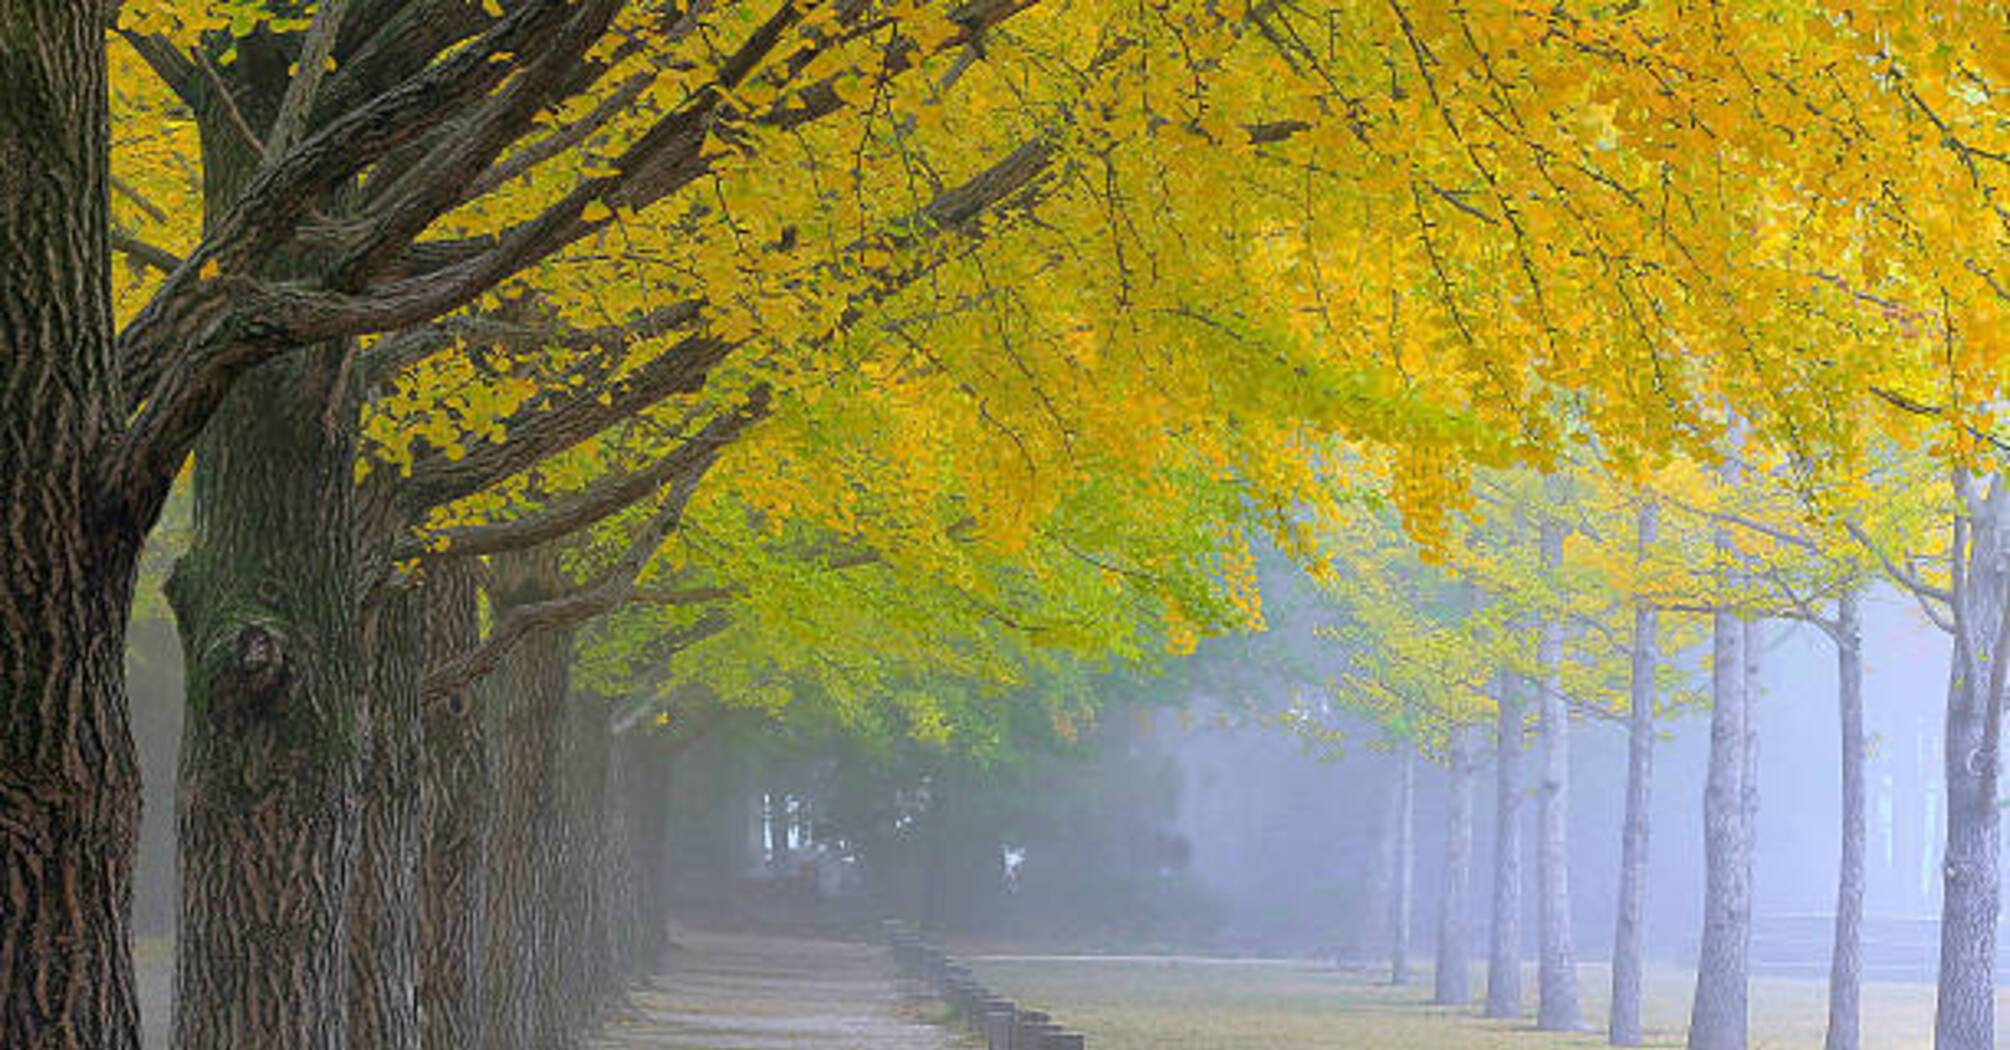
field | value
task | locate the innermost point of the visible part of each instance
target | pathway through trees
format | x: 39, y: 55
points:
x: 739, y: 992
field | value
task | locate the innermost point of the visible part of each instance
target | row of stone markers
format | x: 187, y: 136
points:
x: 1003, y: 1024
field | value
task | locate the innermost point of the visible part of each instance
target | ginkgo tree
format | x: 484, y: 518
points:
x: 1619, y: 204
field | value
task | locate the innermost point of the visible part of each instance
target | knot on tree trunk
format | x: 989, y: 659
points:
x: 257, y: 672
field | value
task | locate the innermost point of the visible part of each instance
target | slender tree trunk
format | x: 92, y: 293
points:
x: 1504, y: 992
x: 455, y: 810
x: 1406, y: 865
x: 1630, y: 932
x: 267, y: 601
x: 518, y: 947
x: 383, y: 922
x: 1966, y: 1016
x: 1452, y: 986
x: 69, y: 547
x: 1846, y: 959
x: 1717, y: 1018
x: 1556, y: 978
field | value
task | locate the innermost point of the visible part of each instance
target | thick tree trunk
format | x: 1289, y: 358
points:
x: 383, y: 933
x: 267, y: 601
x: 1966, y: 1015
x: 1630, y: 933
x: 69, y: 776
x: 1504, y: 992
x: 1452, y: 984
x: 518, y: 948
x: 1846, y: 958
x: 1556, y: 975
x: 649, y: 829
x: 1717, y: 1018
x: 1406, y: 868
x: 455, y: 803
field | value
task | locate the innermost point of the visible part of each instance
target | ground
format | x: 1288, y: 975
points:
x: 1194, y: 1004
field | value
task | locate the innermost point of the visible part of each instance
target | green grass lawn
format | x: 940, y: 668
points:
x: 1135, y: 1004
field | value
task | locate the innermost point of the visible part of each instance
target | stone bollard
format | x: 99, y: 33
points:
x: 1001, y: 1018
x: 1034, y: 1026
x: 1062, y: 1041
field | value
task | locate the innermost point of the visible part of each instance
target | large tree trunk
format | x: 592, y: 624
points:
x: 1556, y: 975
x: 1406, y: 867
x: 383, y: 934
x: 1630, y: 933
x: 1846, y: 958
x: 1966, y: 1017
x: 69, y: 776
x: 518, y: 947
x: 267, y: 601
x: 1452, y: 984
x: 1718, y: 1016
x: 1504, y: 946
x: 454, y: 804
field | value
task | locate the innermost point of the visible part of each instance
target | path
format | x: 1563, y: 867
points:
x: 741, y: 992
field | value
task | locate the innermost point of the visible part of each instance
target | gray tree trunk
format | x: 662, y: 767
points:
x: 1504, y: 992
x: 1406, y: 865
x: 1453, y: 977
x: 455, y: 805
x: 1966, y: 997
x: 267, y: 601
x: 383, y: 921
x: 518, y: 946
x: 1630, y: 933
x: 1556, y: 975
x: 1717, y: 1019
x: 1846, y: 958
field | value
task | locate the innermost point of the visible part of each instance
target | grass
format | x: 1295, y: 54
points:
x: 1186, y: 1004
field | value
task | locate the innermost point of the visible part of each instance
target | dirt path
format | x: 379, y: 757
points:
x: 738, y: 992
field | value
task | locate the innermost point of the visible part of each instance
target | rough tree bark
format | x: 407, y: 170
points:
x: 1504, y: 992
x: 267, y: 604
x: 69, y: 547
x: 1453, y: 976
x: 1966, y: 997
x: 1630, y: 934
x: 454, y: 806
x: 383, y: 933
x: 518, y: 949
x: 1556, y: 974
x: 1846, y: 956
x: 1406, y: 867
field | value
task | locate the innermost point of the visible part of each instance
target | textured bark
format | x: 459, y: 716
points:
x: 267, y: 602
x: 1717, y: 1019
x: 1406, y: 864
x: 518, y: 949
x: 1452, y: 986
x: 1630, y: 929
x: 1966, y: 999
x: 69, y: 775
x: 1504, y: 993
x: 383, y: 934
x: 1556, y: 972
x: 1846, y: 955
x: 455, y: 793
